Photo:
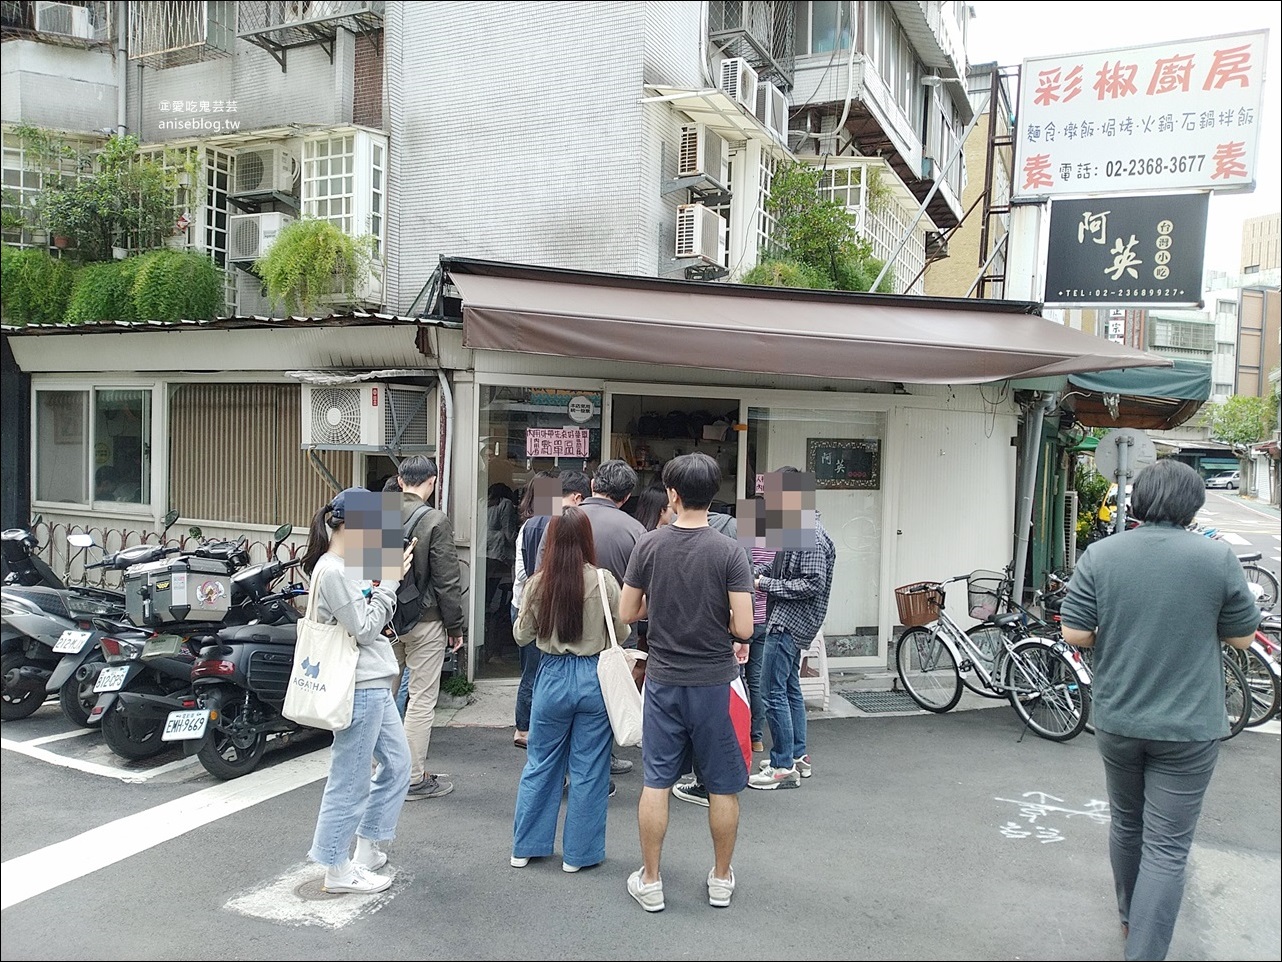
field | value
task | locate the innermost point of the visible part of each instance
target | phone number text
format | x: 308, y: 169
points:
x: 1141, y: 166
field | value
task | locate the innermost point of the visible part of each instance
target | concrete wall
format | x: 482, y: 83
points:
x: 63, y: 88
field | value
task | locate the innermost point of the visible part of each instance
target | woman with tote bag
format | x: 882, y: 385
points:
x: 354, y: 806
x: 570, y: 611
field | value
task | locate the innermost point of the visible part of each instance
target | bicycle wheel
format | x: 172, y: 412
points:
x: 1262, y: 683
x: 1045, y: 691
x: 1237, y: 703
x: 928, y: 669
x: 1268, y: 584
x: 988, y: 639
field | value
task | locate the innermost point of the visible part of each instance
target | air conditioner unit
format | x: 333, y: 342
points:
x: 369, y: 417
x: 1070, y: 529
x: 65, y: 19
x: 772, y: 109
x: 701, y: 233
x: 702, y: 154
x: 265, y: 170
x: 250, y: 236
x: 251, y: 297
x: 739, y: 81
x: 367, y: 292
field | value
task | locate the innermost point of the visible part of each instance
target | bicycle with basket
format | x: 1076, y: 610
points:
x: 1044, y: 680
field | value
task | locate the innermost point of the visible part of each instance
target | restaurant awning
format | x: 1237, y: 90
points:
x: 827, y: 334
x: 1148, y: 398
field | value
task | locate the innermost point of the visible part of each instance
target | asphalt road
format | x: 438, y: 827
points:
x: 919, y: 837
x: 1247, y: 525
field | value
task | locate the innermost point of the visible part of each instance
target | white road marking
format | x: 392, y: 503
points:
x: 40, y: 871
x: 1233, y: 538
x: 279, y: 900
x: 61, y: 736
x: 32, y: 750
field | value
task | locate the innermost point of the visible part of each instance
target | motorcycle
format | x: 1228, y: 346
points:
x: 160, y: 676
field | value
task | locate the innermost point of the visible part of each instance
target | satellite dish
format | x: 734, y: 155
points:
x: 1139, y: 452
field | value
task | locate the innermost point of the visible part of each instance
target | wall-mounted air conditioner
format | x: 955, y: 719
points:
x: 250, y: 236
x: 702, y: 153
x: 369, y: 417
x: 265, y: 170
x: 772, y: 109
x: 251, y: 297
x: 701, y: 233
x: 64, y: 19
x: 739, y: 81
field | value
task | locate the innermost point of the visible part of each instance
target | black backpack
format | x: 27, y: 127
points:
x: 409, y: 596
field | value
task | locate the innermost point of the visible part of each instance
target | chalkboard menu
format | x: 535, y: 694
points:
x: 853, y: 463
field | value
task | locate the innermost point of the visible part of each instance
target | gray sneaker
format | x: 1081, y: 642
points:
x: 649, y: 897
x: 619, y: 766
x: 720, y: 889
x: 428, y: 787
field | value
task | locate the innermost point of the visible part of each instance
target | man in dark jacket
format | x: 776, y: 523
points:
x: 435, y: 573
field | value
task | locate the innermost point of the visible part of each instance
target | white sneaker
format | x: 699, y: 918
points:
x: 769, y: 778
x: 519, y: 862
x: 720, y: 889
x: 803, y: 766
x: 648, y: 896
x: 369, y: 856
x: 358, y: 880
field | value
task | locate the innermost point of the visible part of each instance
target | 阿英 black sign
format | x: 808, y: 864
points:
x: 1140, y: 250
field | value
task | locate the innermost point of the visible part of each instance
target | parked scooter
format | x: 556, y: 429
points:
x: 151, y: 681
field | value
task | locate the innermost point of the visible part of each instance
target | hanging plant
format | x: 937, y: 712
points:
x: 311, y: 260
x: 34, y: 287
x: 177, y: 285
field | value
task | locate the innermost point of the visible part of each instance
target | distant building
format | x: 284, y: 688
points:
x: 1260, y: 244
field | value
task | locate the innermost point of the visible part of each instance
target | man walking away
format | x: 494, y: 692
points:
x: 696, y: 587
x: 433, y: 601
x: 797, y: 586
x: 614, y: 535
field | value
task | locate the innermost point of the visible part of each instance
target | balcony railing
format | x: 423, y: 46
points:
x: 760, y: 31
x: 171, y: 33
x: 278, y: 26
x: 71, y: 24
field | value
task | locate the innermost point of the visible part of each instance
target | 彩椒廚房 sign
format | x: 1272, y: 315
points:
x: 1168, y: 116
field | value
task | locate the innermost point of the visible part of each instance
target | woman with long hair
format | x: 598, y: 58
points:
x: 354, y: 806
x: 563, y: 612
x: 652, y: 509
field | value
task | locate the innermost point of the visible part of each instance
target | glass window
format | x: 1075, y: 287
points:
x: 93, y: 445
x: 822, y: 26
x: 328, y: 167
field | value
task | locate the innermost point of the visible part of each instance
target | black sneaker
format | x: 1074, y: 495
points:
x: 691, y: 792
x: 613, y: 789
x: 619, y: 766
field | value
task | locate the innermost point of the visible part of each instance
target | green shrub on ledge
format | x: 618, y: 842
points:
x: 34, y: 287
x: 177, y: 285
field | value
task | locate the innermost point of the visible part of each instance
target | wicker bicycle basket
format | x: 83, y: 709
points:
x: 919, y: 603
x: 984, y: 591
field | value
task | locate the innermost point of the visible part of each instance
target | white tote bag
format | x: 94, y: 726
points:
x: 322, y: 685
x: 614, y: 671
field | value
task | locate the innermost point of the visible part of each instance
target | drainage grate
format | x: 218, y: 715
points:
x: 875, y: 702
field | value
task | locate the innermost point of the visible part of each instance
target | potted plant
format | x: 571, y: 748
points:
x: 456, y: 691
x: 308, y: 260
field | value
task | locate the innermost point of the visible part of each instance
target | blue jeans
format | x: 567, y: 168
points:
x: 569, y: 730
x: 354, y: 803
x: 525, y: 692
x: 403, y: 692
x: 785, y: 708
x: 1155, y: 792
x: 752, y: 680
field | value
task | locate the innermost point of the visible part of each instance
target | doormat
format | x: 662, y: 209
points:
x: 877, y: 702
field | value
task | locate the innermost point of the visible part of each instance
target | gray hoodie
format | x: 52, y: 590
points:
x: 340, y: 599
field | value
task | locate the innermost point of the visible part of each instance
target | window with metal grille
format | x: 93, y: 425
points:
x: 329, y: 183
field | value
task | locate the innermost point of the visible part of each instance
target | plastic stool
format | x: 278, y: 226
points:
x: 815, y: 685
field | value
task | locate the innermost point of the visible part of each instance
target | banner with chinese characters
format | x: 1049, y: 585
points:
x: 556, y: 442
x: 1136, y: 250
x: 1169, y: 116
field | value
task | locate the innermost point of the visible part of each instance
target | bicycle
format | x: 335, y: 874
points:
x: 991, y: 593
x: 1047, y: 686
x: 1259, y: 663
x: 1264, y: 582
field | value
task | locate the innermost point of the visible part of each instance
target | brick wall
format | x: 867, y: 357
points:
x: 367, y: 105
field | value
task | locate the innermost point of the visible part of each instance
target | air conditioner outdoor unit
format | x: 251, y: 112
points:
x: 701, y: 233
x: 1070, y: 528
x: 739, y: 81
x: 772, y: 109
x: 65, y: 19
x: 702, y: 154
x: 369, y: 417
x: 265, y: 170
x: 250, y: 236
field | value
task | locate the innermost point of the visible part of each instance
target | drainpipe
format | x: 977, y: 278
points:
x: 703, y: 46
x: 121, y: 18
x: 448, y: 396
x: 1034, y: 415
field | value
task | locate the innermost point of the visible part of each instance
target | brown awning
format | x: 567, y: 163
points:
x: 770, y: 330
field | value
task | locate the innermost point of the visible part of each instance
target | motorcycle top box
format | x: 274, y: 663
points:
x: 177, y: 589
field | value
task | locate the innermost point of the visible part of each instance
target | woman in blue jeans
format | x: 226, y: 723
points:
x: 1157, y: 603
x: 564, y: 613
x: 355, y: 807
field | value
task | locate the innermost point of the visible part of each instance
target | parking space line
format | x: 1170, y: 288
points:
x: 27, y: 876
x: 33, y: 750
x: 61, y: 736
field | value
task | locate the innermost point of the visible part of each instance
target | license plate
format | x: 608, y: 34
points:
x: 111, y: 679
x: 162, y: 646
x: 184, y: 725
x: 71, y: 642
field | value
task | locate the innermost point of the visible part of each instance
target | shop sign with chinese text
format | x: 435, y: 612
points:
x: 1169, y: 116
x: 556, y: 442
x: 1135, y: 250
